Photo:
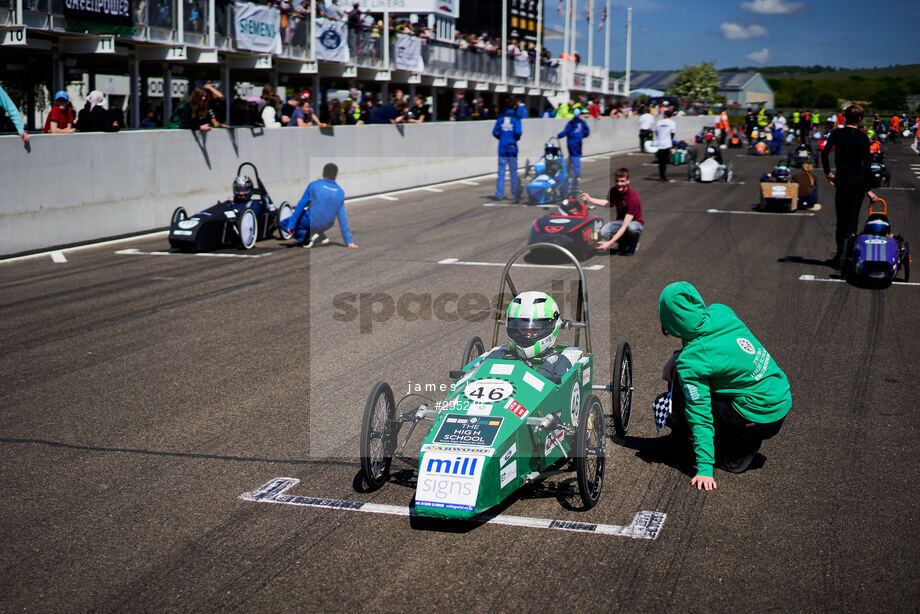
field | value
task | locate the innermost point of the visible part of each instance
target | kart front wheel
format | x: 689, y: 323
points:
x: 622, y: 389
x: 177, y: 216
x: 590, y: 451
x: 284, y: 212
x: 473, y: 349
x: 378, y: 436
x: 248, y: 227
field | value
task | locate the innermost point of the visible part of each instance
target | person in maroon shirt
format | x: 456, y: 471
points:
x: 60, y: 119
x: 627, y: 228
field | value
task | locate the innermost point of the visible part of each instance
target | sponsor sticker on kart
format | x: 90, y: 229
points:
x: 181, y: 233
x: 479, y: 409
x: 438, y: 447
x: 468, y: 430
x: 449, y: 480
x: 553, y: 439
x: 516, y: 408
x: 507, y: 474
x: 586, y: 376
x: 508, y: 454
x: 560, y: 220
x: 488, y: 390
x: 231, y: 213
x: 533, y: 380
x: 501, y: 369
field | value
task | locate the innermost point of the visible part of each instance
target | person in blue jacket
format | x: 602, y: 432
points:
x: 575, y: 131
x: 507, y: 130
x: 326, y: 201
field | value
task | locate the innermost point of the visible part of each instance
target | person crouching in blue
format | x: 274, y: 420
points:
x: 326, y: 201
x: 575, y: 131
x: 507, y: 130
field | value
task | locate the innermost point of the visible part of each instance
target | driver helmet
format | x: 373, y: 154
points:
x: 242, y: 189
x: 877, y: 224
x: 781, y: 173
x: 533, y: 323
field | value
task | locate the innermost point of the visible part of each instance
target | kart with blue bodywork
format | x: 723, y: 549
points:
x: 874, y: 257
x: 502, y: 425
x: 229, y: 223
x: 547, y: 181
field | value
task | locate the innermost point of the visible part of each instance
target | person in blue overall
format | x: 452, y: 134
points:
x: 326, y: 202
x: 575, y: 131
x: 508, y: 131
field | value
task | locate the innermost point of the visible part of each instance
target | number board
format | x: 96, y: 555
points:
x: 490, y: 390
x: 468, y: 430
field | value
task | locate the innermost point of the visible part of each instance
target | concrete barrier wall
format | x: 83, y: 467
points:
x: 66, y: 189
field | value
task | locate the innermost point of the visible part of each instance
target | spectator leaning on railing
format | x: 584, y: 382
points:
x: 7, y: 103
x: 60, y: 120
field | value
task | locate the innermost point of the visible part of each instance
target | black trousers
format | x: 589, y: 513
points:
x: 848, y: 202
x: 644, y: 135
x: 663, y: 155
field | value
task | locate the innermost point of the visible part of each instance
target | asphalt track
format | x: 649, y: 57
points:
x: 143, y: 394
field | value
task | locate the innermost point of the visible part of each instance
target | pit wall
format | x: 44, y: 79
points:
x: 66, y: 189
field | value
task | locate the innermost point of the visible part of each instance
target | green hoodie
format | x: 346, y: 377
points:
x: 720, y: 357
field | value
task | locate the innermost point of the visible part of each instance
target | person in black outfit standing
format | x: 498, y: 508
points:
x: 851, y: 176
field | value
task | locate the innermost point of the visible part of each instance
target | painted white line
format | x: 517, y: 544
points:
x: 430, y: 189
x: 593, y: 267
x: 468, y: 182
x: 519, y: 205
x: 58, y: 257
x: 385, y: 197
x: 136, y: 252
x: 790, y: 214
x: 161, y: 233
x: 843, y: 281
x: 645, y: 524
x: 906, y: 189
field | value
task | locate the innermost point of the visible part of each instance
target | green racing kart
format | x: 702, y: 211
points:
x: 503, y: 425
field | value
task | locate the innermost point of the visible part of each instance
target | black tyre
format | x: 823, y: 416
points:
x: 284, y: 212
x: 906, y: 262
x: 177, y: 216
x: 622, y: 389
x: 378, y: 435
x: 590, y: 451
x: 473, y: 349
x: 248, y: 227
x: 886, y: 179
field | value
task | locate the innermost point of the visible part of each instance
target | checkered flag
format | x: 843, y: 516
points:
x: 662, y: 408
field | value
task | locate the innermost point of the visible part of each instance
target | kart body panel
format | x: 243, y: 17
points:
x: 578, y: 234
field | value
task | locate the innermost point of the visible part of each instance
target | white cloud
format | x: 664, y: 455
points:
x: 761, y: 57
x: 772, y: 7
x: 736, y: 31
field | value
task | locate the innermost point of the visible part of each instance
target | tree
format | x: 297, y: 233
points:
x: 699, y: 82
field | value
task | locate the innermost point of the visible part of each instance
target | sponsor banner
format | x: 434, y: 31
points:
x: 522, y: 66
x: 507, y: 474
x: 468, y: 430
x: 449, y: 480
x: 408, y: 52
x: 258, y: 27
x: 332, y: 41
x: 106, y: 16
x: 516, y: 408
x: 450, y: 8
x: 437, y: 447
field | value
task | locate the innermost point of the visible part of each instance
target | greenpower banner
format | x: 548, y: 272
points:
x: 105, y: 16
x: 258, y: 27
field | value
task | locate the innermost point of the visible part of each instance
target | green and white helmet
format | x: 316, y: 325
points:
x: 533, y: 323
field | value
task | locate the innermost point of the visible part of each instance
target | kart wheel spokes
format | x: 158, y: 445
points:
x: 590, y: 451
x: 378, y: 436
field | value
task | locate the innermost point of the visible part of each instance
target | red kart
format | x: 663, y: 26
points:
x: 572, y: 228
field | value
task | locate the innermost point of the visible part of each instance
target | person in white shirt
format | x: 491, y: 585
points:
x: 665, y: 136
x: 646, y: 123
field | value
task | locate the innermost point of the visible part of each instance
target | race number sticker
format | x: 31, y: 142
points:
x: 488, y: 390
x: 468, y: 430
x: 575, y: 404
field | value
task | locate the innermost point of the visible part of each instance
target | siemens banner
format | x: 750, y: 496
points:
x: 258, y: 27
x: 107, y: 16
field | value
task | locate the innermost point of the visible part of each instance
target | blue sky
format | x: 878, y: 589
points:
x: 668, y: 34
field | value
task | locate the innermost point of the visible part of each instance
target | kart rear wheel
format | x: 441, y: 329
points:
x: 622, y: 389
x: 590, y: 451
x: 248, y: 227
x: 378, y: 436
x: 474, y: 348
x: 177, y: 216
x: 284, y: 212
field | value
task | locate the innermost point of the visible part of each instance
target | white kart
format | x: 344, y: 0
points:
x: 710, y: 170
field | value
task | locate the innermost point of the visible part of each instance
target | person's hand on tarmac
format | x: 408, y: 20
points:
x: 604, y: 245
x: 830, y: 178
x: 703, y: 482
x: 353, y: 246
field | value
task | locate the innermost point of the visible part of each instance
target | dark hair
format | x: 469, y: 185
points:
x: 853, y: 114
x: 621, y: 172
x: 330, y: 171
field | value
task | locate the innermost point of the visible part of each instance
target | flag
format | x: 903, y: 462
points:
x: 603, y: 19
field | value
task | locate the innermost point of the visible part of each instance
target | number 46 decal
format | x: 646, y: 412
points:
x: 488, y: 390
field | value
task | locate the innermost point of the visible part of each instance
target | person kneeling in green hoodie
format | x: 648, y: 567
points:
x: 730, y: 394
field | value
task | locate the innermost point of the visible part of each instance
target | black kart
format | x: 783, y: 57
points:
x: 228, y: 223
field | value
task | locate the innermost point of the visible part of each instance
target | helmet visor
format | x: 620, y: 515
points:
x: 527, y: 331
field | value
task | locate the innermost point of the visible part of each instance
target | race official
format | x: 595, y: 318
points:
x: 326, y: 202
x: 507, y: 130
x: 851, y: 177
x: 729, y: 395
x: 664, y: 132
x: 626, y: 230
x: 575, y: 131
x: 646, y: 123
